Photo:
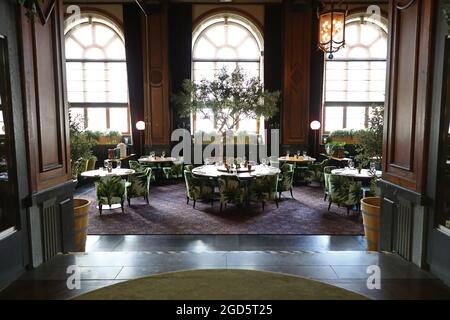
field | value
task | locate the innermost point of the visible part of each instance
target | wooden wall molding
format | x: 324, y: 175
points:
x: 296, y: 85
x: 408, y: 93
x: 156, y: 78
x: 43, y: 74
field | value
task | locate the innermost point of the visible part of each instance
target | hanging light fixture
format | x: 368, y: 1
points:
x: 331, y: 29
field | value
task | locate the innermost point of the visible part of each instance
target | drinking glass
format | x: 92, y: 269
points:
x: 163, y: 154
x: 305, y: 154
x: 373, y: 168
x: 119, y: 164
x: 351, y: 165
x: 298, y: 153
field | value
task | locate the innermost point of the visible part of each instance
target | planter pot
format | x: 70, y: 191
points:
x: 370, y: 208
x: 80, y: 209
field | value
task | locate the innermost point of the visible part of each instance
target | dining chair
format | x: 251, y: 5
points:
x: 265, y: 189
x: 285, y: 181
x: 198, y: 189
x: 110, y: 190
x: 135, y: 165
x: 344, y: 192
x: 138, y: 185
x: 231, y: 190
x: 315, y: 171
x: 175, y: 171
x: 326, y: 180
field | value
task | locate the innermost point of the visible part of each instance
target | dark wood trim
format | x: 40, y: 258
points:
x: 232, y: 10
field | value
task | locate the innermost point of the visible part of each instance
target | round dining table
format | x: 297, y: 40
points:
x: 104, y: 173
x: 297, y: 159
x: 214, y: 171
x: 365, y: 174
x: 156, y: 160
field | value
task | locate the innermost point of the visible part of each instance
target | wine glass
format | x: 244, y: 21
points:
x: 298, y: 153
x: 119, y: 164
x: 351, y: 165
x: 373, y: 168
x: 287, y: 154
x: 163, y: 154
x: 305, y: 154
x: 264, y: 161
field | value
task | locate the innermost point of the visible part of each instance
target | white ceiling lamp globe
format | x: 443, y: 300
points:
x: 140, y: 125
x: 315, y: 125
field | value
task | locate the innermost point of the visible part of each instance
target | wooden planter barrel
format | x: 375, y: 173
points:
x: 370, y: 208
x: 81, y: 209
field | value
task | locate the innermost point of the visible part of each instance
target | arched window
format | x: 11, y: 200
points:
x: 226, y: 40
x: 355, y: 77
x: 96, y: 73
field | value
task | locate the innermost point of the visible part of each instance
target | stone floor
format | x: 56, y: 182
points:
x: 335, y: 260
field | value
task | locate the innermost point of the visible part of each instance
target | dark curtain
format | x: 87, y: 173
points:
x: 132, y: 16
x: 273, y: 59
x: 180, y: 53
x: 316, y: 80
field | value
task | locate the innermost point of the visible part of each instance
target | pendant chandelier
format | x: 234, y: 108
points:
x: 331, y: 29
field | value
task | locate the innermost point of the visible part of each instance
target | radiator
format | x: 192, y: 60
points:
x: 403, y: 229
x: 51, y: 229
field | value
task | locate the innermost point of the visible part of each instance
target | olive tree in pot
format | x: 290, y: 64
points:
x: 369, y: 149
x: 226, y: 100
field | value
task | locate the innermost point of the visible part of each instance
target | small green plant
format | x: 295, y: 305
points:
x: 31, y: 6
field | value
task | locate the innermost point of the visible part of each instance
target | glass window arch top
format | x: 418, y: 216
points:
x: 226, y: 40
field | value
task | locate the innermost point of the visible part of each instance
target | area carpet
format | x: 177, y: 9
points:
x: 168, y: 213
x: 220, y: 284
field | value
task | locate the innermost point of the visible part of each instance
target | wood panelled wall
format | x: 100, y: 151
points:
x: 408, y: 94
x: 45, y: 98
x: 156, y: 76
x: 296, y: 54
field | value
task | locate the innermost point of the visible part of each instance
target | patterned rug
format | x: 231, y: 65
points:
x: 168, y: 213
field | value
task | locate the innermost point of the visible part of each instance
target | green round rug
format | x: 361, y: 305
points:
x: 221, y: 284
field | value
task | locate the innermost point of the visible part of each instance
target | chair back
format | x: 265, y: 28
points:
x: 286, y: 180
x: 231, y: 189
x: 188, y: 167
x: 287, y: 167
x: 110, y: 190
x: 326, y: 176
x: 343, y: 190
x: 267, y: 186
x: 92, y: 161
x: 135, y: 165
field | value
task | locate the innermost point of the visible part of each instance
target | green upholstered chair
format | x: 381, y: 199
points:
x: 188, y: 167
x: 138, y: 184
x: 326, y: 180
x: 175, y: 171
x: 315, y: 171
x: 198, y: 189
x: 231, y: 190
x: 265, y: 189
x: 135, y: 165
x: 91, y: 162
x: 344, y: 192
x: 110, y: 190
x: 286, y: 179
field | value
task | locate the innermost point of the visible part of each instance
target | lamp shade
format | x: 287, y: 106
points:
x: 315, y: 125
x: 332, y: 30
x: 140, y: 125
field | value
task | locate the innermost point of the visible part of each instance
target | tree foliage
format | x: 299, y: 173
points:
x: 370, y: 140
x: 226, y: 100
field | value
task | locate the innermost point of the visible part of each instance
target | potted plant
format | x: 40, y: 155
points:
x: 346, y: 136
x: 110, y: 137
x: 369, y: 148
x: 80, y: 144
x: 226, y: 100
x: 335, y: 149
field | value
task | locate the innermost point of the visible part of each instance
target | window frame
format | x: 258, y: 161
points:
x: 219, y: 19
x: 104, y: 20
x: 382, y: 24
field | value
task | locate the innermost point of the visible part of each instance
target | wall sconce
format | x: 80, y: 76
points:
x: 331, y: 30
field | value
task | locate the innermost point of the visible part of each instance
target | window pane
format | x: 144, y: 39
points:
x: 356, y: 117
x: 334, y: 118
x: 118, y: 119
x: 96, y: 119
